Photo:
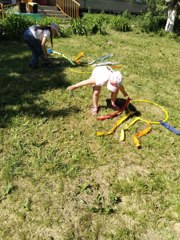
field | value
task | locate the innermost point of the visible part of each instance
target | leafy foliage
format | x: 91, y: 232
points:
x: 157, y: 7
x: 120, y: 23
x: 149, y: 23
x: 14, y: 25
x: 78, y: 26
x: 91, y: 24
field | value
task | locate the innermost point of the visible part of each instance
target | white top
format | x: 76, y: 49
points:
x: 39, y: 33
x: 101, y: 75
x: 104, y: 75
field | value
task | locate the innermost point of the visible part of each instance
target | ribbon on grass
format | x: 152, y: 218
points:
x: 101, y: 58
x: 122, y: 134
x: 119, y: 122
x: 111, y: 115
x: 170, y: 128
x: 141, y: 134
x: 61, y: 54
x: 138, y: 134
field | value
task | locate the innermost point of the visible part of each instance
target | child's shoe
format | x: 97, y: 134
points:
x: 94, y: 111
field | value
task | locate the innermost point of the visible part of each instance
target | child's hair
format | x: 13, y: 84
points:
x: 38, y: 27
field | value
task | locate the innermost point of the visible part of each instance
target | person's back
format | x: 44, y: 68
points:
x: 39, y: 32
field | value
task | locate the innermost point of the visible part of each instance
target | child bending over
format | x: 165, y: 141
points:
x: 103, y: 75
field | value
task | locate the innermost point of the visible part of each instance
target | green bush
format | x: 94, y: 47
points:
x: 14, y: 25
x: 78, y: 26
x: 48, y: 20
x: 149, y: 23
x: 120, y: 23
x: 65, y: 30
x: 127, y: 15
x: 91, y: 24
x: 96, y: 23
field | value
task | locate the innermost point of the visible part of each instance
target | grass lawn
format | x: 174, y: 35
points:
x: 58, y: 180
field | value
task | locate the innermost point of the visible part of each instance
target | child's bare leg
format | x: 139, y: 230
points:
x: 81, y: 84
x: 96, y: 93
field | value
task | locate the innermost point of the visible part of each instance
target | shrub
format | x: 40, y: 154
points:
x: 127, y: 15
x: 48, y: 20
x: 14, y: 25
x: 78, y: 26
x: 96, y: 23
x: 65, y: 30
x: 91, y: 24
x: 120, y: 23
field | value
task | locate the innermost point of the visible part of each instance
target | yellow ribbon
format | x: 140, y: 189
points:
x: 122, y: 134
x: 121, y: 120
x: 76, y: 71
x: 141, y: 134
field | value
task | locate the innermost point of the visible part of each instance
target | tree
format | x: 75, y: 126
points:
x: 155, y: 7
x: 158, y: 7
x: 173, y: 6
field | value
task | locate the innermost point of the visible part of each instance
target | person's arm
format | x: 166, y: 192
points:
x: 121, y: 88
x: 43, y: 45
x: 81, y: 84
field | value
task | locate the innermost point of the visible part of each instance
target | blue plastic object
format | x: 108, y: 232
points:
x: 49, y: 50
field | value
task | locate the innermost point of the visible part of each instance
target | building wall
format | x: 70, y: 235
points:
x: 116, y: 6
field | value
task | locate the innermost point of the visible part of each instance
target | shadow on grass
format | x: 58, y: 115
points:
x: 20, y: 88
x: 121, y: 102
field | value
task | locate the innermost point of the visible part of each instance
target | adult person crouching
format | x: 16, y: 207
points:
x: 36, y: 37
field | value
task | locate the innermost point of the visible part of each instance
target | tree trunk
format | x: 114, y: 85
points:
x: 172, y: 12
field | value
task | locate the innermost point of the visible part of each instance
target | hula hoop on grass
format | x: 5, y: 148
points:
x: 153, y: 103
x: 76, y: 71
x: 141, y: 133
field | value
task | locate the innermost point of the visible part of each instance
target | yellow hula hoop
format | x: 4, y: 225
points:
x: 80, y: 72
x: 76, y: 71
x: 162, y: 108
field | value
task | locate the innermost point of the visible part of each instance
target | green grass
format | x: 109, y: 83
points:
x: 57, y: 179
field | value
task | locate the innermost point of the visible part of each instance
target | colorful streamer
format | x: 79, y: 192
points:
x: 166, y: 125
x: 119, y: 122
x: 101, y: 58
x: 141, y: 133
x: 111, y: 115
